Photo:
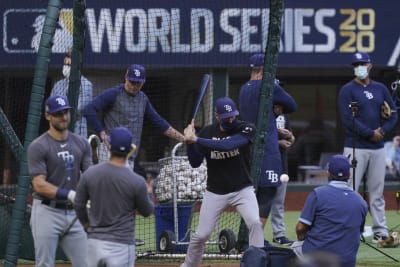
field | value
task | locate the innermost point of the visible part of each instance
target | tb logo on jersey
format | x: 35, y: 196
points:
x: 272, y: 176
x: 67, y: 158
x: 368, y: 94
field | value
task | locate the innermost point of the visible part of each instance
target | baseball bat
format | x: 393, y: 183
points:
x: 203, y: 88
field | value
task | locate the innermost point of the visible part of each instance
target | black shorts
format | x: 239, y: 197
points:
x: 265, y: 196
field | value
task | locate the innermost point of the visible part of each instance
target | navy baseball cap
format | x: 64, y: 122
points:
x: 225, y: 108
x: 136, y: 73
x: 361, y: 57
x: 56, y: 103
x: 120, y: 139
x: 257, y: 60
x: 339, y: 166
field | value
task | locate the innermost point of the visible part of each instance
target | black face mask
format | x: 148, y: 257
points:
x: 228, y: 126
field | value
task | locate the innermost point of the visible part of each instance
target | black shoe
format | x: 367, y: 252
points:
x: 378, y: 237
x: 283, y: 240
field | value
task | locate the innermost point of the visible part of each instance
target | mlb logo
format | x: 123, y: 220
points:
x: 23, y: 30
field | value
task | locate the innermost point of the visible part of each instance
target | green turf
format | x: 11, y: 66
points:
x: 366, y: 255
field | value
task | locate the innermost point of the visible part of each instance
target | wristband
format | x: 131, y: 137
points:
x: 62, y: 194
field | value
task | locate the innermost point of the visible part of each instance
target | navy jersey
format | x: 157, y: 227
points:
x: 271, y: 167
x: 335, y: 215
x: 122, y: 109
x: 367, y: 116
x: 228, y: 171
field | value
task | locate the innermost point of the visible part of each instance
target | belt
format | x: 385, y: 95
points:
x: 54, y: 204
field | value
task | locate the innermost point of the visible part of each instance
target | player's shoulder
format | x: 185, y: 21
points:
x: 76, y: 138
x: 378, y: 84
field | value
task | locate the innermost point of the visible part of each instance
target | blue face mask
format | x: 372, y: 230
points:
x: 229, y: 126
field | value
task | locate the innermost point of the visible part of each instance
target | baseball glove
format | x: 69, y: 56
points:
x: 392, y: 241
x: 386, y: 111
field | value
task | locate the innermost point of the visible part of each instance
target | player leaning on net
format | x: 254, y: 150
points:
x: 333, y: 217
x: 56, y: 160
x: 126, y: 105
x: 271, y: 166
x: 365, y: 133
x: 110, y: 223
x: 226, y: 147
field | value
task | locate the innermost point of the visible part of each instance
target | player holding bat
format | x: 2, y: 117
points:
x: 226, y: 147
x: 55, y: 161
x: 111, y: 222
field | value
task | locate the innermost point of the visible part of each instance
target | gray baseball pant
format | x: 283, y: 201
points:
x: 277, y: 212
x: 371, y: 162
x: 110, y: 254
x: 48, y: 224
x: 211, y: 209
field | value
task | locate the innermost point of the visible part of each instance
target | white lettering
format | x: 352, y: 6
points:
x: 208, y: 22
x: 300, y: 30
x: 234, y: 32
x: 330, y: 33
x: 177, y: 46
x: 131, y: 16
x: 248, y: 30
x: 113, y: 33
x: 272, y: 176
x: 159, y: 28
x: 240, y: 30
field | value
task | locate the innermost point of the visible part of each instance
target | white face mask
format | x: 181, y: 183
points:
x: 66, y: 71
x: 361, y: 72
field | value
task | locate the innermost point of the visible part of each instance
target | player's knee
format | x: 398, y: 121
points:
x: 254, y: 223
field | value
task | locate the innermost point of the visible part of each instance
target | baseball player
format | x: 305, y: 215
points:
x: 85, y: 95
x: 271, y: 167
x: 126, y: 105
x: 111, y: 222
x: 226, y: 147
x: 364, y: 98
x: 55, y: 161
x: 333, y: 217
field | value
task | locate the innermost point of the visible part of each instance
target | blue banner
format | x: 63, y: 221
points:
x: 202, y: 33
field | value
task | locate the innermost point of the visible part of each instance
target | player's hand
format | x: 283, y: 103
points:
x: 285, y: 143
x: 377, y: 136
x: 190, y: 134
x: 104, y: 138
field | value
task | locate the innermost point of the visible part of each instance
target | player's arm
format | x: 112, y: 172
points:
x: 306, y: 216
x: 391, y: 122
x: 81, y: 200
x: 344, y: 101
x: 145, y: 205
x: 159, y: 122
x: 281, y: 97
x: 301, y: 230
x: 46, y: 189
x: 98, y: 104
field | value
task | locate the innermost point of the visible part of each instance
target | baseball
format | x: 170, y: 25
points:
x: 284, y: 178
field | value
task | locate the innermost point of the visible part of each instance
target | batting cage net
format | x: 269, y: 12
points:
x: 169, y: 38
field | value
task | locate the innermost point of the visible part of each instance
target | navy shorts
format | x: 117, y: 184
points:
x: 265, y: 196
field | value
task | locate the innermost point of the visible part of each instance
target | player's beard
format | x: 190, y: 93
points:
x: 62, y: 126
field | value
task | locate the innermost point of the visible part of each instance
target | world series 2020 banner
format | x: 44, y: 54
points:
x: 208, y: 33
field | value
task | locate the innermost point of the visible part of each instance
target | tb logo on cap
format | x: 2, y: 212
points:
x: 61, y: 101
x: 228, y: 108
x: 137, y: 72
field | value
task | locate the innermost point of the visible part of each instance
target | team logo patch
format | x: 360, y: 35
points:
x: 228, y: 108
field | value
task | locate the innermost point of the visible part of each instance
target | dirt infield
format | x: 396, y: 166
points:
x: 162, y: 265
